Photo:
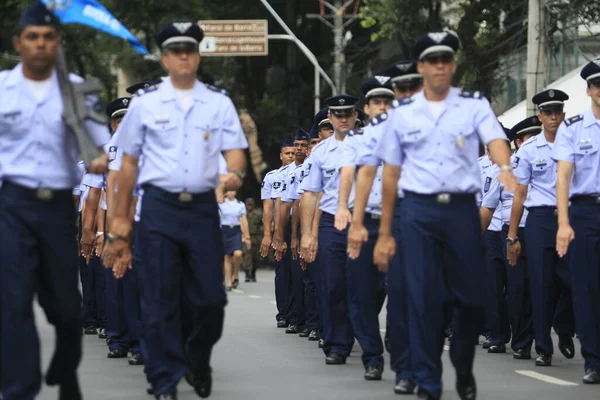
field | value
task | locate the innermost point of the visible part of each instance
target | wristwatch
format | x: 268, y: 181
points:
x: 110, y: 238
x: 512, y: 240
x: 98, y: 234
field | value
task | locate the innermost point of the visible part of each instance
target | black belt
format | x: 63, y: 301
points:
x: 586, y: 199
x: 543, y: 210
x: 42, y: 194
x: 443, y: 198
x: 183, y: 197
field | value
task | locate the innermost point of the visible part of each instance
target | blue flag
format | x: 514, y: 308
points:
x: 92, y: 13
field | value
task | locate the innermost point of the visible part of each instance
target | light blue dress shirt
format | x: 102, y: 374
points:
x: 291, y: 192
x: 500, y: 199
x: 267, y: 184
x: 180, y: 148
x: 487, y: 176
x: 439, y: 155
x: 279, y: 181
x: 324, y: 174
x: 578, y: 141
x: 36, y: 149
x: 231, y: 212
x: 534, y: 166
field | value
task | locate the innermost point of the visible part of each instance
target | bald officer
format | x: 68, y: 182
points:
x: 180, y: 127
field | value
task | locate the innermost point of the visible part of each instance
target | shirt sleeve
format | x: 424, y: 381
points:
x: 289, y: 194
x: 366, y: 153
x: 265, y: 187
x: 231, y: 128
x: 279, y: 184
x: 522, y: 167
x: 389, y: 148
x: 314, y: 181
x: 93, y: 180
x: 348, y: 157
x: 243, y: 210
x: 131, y: 133
x: 491, y: 198
x: 115, y: 163
x: 98, y: 133
x: 564, y: 150
x: 487, y: 125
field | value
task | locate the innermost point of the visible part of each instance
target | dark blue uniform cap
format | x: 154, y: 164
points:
x: 142, y: 85
x: 591, y: 71
x: 321, y: 117
x: 288, y: 142
x: 436, y: 44
x: 180, y: 34
x: 528, y: 125
x: 314, y: 132
x: 550, y: 99
x: 403, y: 72
x: 301, y: 134
x: 117, y: 107
x: 38, y: 15
x: 378, y: 85
x: 507, y: 132
x: 342, y: 104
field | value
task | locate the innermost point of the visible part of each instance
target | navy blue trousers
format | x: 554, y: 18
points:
x: 38, y: 255
x: 282, y: 281
x: 100, y: 274
x: 312, y: 296
x: 496, y: 314
x: 397, y: 307
x: 442, y: 239
x: 364, y: 282
x: 584, y: 264
x: 182, y: 257
x: 337, y: 331
x: 518, y: 296
x: 131, y: 301
x: 548, y: 277
x: 296, y: 303
x: 88, y: 277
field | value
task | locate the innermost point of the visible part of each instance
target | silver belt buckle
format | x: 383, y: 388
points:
x: 231, y: 226
x: 555, y: 212
x: 44, y: 194
x: 185, y: 197
x: 375, y: 216
x: 444, y: 198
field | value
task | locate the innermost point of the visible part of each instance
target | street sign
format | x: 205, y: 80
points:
x: 235, y: 38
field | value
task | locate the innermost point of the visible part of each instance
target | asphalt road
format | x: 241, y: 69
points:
x: 255, y: 360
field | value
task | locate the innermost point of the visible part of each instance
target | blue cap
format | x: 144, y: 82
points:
x: 435, y: 44
x: 507, y: 132
x: 551, y: 99
x: 402, y: 72
x: 37, y: 14
x: 301, y: 134
x: 591, y: 71
x: 379, y: 85
x: 342, y: 104
x: 314, y: 132
x: 143, y: 85
x: 180, y: 33
x: 528, y: 125
x: 117, y: 107
x: 288, y: 142
x: 321, y: 117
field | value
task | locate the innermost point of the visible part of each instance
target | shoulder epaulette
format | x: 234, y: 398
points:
x: 395, y: 104
x: 145, y: 90
x: 574, y: 119
x: 532, y: 139
x: 217, y: 89
x: 471, y: 94
x: 356, y: 132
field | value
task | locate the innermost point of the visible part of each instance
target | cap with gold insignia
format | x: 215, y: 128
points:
x: 342, y: 104
x: 37, y: 15
x: 530, y: 125
x: 143, y: 85
x: 551, y: 99
x: 591, y: 71
x: 117, y: 107
x: 377, y: 86
x: 180, y: 35
x: 403, y: 73
x: 436, y: 44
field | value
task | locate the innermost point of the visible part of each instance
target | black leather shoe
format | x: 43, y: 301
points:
x: 236, y: 283
x: 373, y: 372
x: 543, y: 360
x: 102, y: 333
x: 90, y: 330
x: 466, y: 388
x: 335, y: 359
x: 167, y: 396
x: 405, y: 386
x: 150, y: 390
x: 321, y: 343
x: 203, y: 383
x: 304, y: 333
x: 592, y: 376
x: 253, y: 279
x: 486, y: 344
x: 136, y: 359
x: 313, y: 336
x: 282, y: 324
x: 70, y: 390
x: 117, y: 353
x: 291, y: 329
x: 425, y: 395
x: 497, y: 348
x: 522, y: 354
x: 566, y: 346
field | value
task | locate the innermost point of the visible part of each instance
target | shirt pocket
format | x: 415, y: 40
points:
x: 207, y: 136
x: 586, y: 154
x: 14, y: 123
x: 543, y: 170
x: 163, y: 132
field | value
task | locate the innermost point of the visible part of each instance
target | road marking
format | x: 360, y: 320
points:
x: 253, y: 296
x: 546, y: 378
x: 239, y: 291
x: 382, y: 330
x: 446, y: 347
x: 273, y: 302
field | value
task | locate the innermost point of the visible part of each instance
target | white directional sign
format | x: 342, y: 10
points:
x: 235, y: 38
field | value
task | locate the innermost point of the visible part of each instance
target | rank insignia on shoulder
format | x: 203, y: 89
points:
x: 400, y: 102
x: 217, y: 89
x: 574, y: 119
x: 145, y: 90
x: 471, y: 94
x: 356, y: 132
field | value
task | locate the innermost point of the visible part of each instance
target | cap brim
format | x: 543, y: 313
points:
x: 408, y: 78
x: 118, y: 113
x: 379, y: 92
x: 325, y: 121
x: 181, y: 43
x: 342, y: 111
x: 551, y: 105
x: 436, y: 51
x: 530, y: 129
x: 593, y: 77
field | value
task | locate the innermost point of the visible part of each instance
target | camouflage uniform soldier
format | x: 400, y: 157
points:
x: 251, y: 258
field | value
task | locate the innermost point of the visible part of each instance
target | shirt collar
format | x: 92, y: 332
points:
x: 540, y: 139
x: 589, y: 118
x: 452, y: 98
x: 167, y: 91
